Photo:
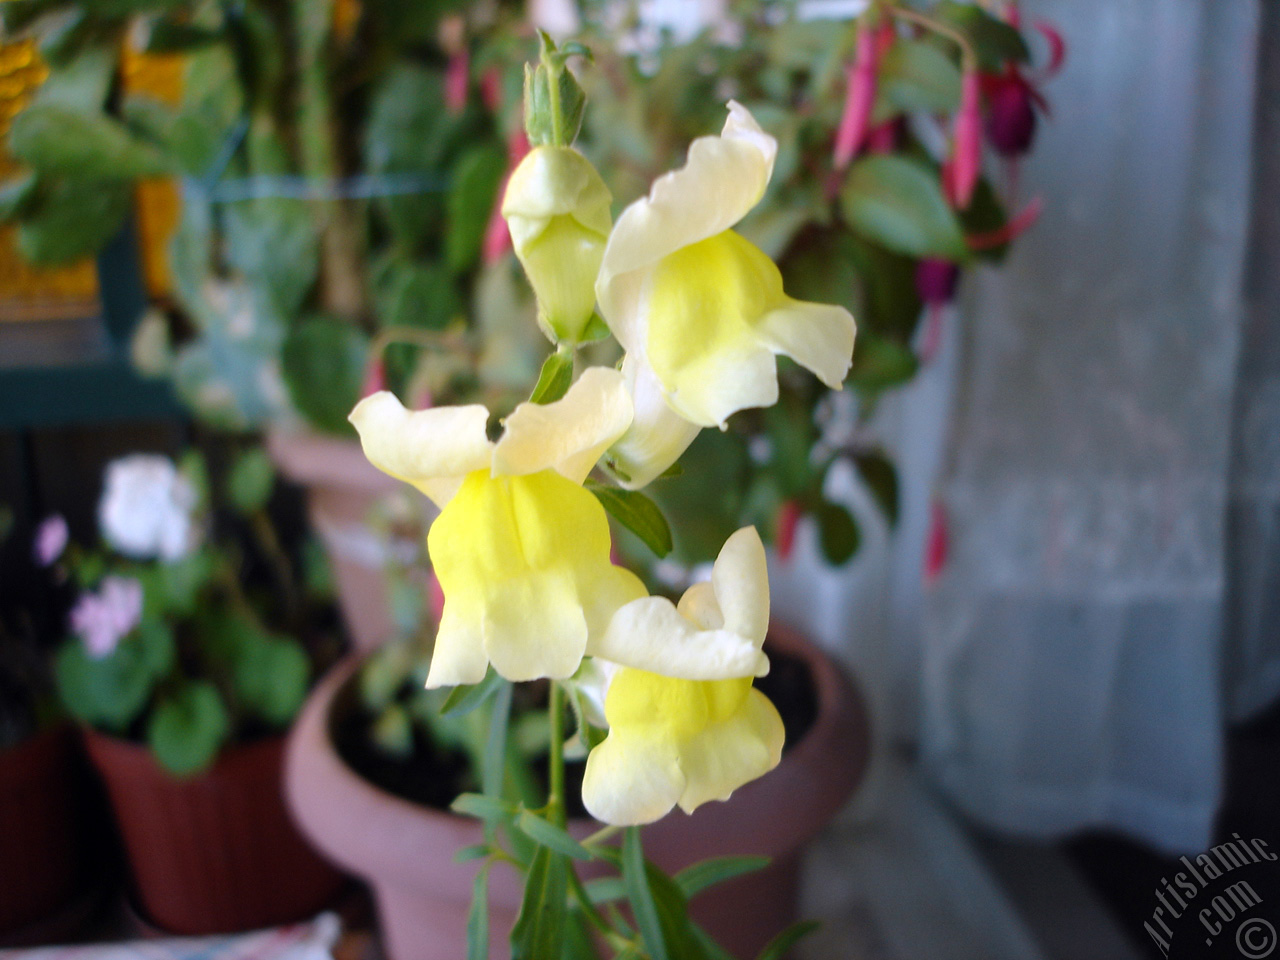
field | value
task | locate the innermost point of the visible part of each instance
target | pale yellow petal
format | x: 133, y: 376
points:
x: 700, y: 607
x: 722, y: 179
x: 458, y: 656
x: 569, y: 435
x: 534, y: 626
x: 431, y: 449
x: 657, y: 437
x: 817, y: 336
x: 650, y: 634
x: 632, y: 779
x: 740, y: 579
x: 550, y: 182
x: 729, y: 754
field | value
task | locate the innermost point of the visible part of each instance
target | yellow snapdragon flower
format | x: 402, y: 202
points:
x: 680, y: 741
x: 700, y: 306
x: 520, y: 548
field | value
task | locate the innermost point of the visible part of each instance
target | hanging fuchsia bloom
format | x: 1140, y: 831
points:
x: 936, y: 282
x: 1012, y: 229
x: 935, y: 551
x: 51, y: 540
x: 886, y: 137
x: 787, y: 521
x: 457, y: 78
x: 375, y: 378
x: 860, y: 97
x: 491, y: 89
x: 960, y: 173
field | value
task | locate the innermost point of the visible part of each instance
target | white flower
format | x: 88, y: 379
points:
x: 146, y: 509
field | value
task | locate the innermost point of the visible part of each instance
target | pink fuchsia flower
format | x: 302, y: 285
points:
x: 103, y: 619
x: 936, y: 282
x: 51, y: 540
x: 456, y: 81
x: 860, y: 97
x: 961, y: 171
x: 497, y: 238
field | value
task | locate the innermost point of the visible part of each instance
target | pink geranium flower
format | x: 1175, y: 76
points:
x: 103, y: 619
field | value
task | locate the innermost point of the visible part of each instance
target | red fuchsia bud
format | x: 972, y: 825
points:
x: 935, y: 551
x: 936, y: 280
x: 860, y: 97
x: 491, y: 89
x: 960, y: 175
x: 1011, y: 118
x: 375, y: 378
x: 886, y: 137
x: 788, y: 519
x: 420, y: 398
x: 457, y: 78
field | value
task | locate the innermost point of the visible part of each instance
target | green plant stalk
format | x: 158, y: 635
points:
x: 968, y: 58
x: 556, y: 799
x: 265, y: 533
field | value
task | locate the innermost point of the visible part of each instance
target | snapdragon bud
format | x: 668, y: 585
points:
x: 557, y: 208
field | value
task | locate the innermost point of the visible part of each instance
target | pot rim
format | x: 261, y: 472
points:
x: 326, y: 796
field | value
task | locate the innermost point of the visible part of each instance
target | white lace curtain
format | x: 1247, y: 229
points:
x: 1075, y: 670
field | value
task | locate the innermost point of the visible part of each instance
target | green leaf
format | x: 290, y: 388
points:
x: 58, y: 140
x: 484, y: 807
x: 73, y: 219
x: 81, y: 84
x: 463, y: 699
x: 899, y: 203
x: 879, y: 364
x: 157, y: 651
x: 540, y: 87
x: 188, y: 728
x: 881, y: 478
x: 917, y: 77
x: 250, y: 482
x: 788, y: 938
x: 540, y: 925
x: 694, y: 879
x: 985, y: 214
x: 475, y: 851
x: 606, y: 890
x: 273, y: 242
x: 270, y: 676
x: 473, y: 190
x: 638, y: 514
x: 108, y: 692
x: 549, y: 835
x: 555, y: 379
x: 323, y: 364
x: 411, y: 294
x: 495, y: 754
x: 993, y: 40
x: 478, y: 917
x: 838, y: 532
x: 640, y: 896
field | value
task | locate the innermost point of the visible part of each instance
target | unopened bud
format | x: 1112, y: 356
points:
x: 557, y: 208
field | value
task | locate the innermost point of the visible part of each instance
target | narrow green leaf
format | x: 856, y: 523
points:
x: 709, y: 946
x: 478, y: 917
x: 606, y: 890
x: 694, y: 879
x: 495, y: 756
x: 788, y: 938
x: 549, y: 835
x: 483, y: 807
x: 462, y: 700
x: 638, y: 514
x: 899, y: 203
x: 250, y: 481
x: 555, y: 379
x: 540, y: 925
x: 640, y: 895
x: 474, y: 852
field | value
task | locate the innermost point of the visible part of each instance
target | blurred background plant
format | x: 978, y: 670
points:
x: 878, y: 202
x: 193, y: 626
x: 337, y: 163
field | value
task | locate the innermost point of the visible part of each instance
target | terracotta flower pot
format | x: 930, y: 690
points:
x: 405, y: 851
x: 342, y: 488
x: 215, y: 853
x: 42, y: 841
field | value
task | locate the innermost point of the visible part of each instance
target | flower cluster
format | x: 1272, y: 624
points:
x: 522, y: 547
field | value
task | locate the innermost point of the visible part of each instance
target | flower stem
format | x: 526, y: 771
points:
x: 601, y: 835
x: 969, y: 59
x: 555, y: 801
